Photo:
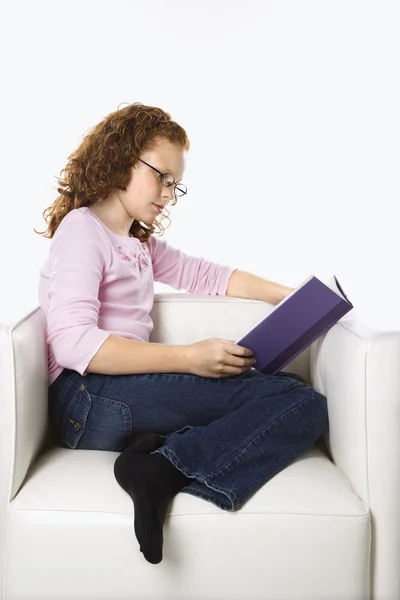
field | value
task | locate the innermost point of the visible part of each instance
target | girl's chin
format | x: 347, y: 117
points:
x: 147, y: 222
x: 154, y: 217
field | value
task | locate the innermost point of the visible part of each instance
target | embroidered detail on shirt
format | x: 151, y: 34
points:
x: 139, y: 260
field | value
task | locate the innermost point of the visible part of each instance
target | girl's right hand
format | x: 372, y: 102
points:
x: 217, y: 358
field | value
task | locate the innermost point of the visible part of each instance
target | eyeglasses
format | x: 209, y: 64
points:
x: 167, y: 180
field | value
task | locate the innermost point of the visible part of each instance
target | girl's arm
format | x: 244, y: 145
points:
x: 122, y: 356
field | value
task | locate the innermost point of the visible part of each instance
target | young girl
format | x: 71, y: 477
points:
x: 194, y: 418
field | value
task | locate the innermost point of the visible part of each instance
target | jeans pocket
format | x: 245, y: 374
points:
x: 96, y: 423
x: 73, y: 422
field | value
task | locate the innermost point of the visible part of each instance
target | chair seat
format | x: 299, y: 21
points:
x: 83, y: 480
x: 72, y: 516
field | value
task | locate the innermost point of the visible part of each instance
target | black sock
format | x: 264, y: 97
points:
x: 152, y: 481
x: 143, y: 443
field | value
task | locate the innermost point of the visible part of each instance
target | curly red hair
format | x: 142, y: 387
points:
x: 103, y: 161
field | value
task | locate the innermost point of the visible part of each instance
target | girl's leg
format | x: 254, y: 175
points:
x: 143, y: 443
x: 223, y: 438
x: 232, y: 457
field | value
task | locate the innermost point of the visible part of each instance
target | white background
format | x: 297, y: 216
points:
x: 291, y: 107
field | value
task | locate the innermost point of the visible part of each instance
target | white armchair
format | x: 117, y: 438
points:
x: 325, y: 528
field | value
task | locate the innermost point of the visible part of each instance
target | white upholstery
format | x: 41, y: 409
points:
x: 325, y: 528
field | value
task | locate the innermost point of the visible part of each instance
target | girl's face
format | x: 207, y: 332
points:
x: 145, y: 189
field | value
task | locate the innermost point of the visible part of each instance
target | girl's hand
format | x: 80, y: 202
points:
x: 217, y: 358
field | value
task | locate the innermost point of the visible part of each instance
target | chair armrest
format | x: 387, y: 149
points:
x: 357, y: 368
x: 23, y: 401
x: 23, y: 389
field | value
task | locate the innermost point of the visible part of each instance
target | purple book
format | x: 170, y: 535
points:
x: 297, y: 321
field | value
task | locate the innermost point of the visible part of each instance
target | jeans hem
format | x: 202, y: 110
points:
x: 209, y: 497
x: 229, y: 500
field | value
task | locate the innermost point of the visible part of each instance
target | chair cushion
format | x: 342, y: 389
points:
x: 70, y: 535
x: 64, y: 479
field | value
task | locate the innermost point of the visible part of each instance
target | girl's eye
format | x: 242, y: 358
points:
x: 167, y: 180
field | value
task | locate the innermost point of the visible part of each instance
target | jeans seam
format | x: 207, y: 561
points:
x: 60, y: 399
x: 163, y: 450
x: 262, y: 433
x: 83, y: 420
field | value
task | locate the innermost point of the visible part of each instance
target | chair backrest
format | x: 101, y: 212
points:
x: 24, y: 384
x: 181, y: 318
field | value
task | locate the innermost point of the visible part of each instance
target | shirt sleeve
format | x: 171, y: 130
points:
x: 78, y: 261
x: 195, y: 275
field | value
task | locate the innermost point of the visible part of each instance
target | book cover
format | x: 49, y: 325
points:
x: 297, y: 321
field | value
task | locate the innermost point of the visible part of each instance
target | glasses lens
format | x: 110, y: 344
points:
x: 180, y: 190
x: 167, y: 179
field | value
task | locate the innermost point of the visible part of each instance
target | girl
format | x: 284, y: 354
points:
x: 194, y: 418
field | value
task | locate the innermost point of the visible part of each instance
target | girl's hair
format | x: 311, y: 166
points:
x: 102, y: 163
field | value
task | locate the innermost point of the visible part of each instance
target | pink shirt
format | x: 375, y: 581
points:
x: 95, y: 282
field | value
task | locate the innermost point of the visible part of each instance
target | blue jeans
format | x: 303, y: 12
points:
x: 230, y: 434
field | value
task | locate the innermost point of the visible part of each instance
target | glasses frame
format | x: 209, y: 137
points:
x: 183, y: 192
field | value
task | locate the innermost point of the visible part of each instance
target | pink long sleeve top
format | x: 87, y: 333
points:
x: 95, y: 282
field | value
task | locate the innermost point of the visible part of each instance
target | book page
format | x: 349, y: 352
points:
x: 331, y: 284
x: 295, y: 290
